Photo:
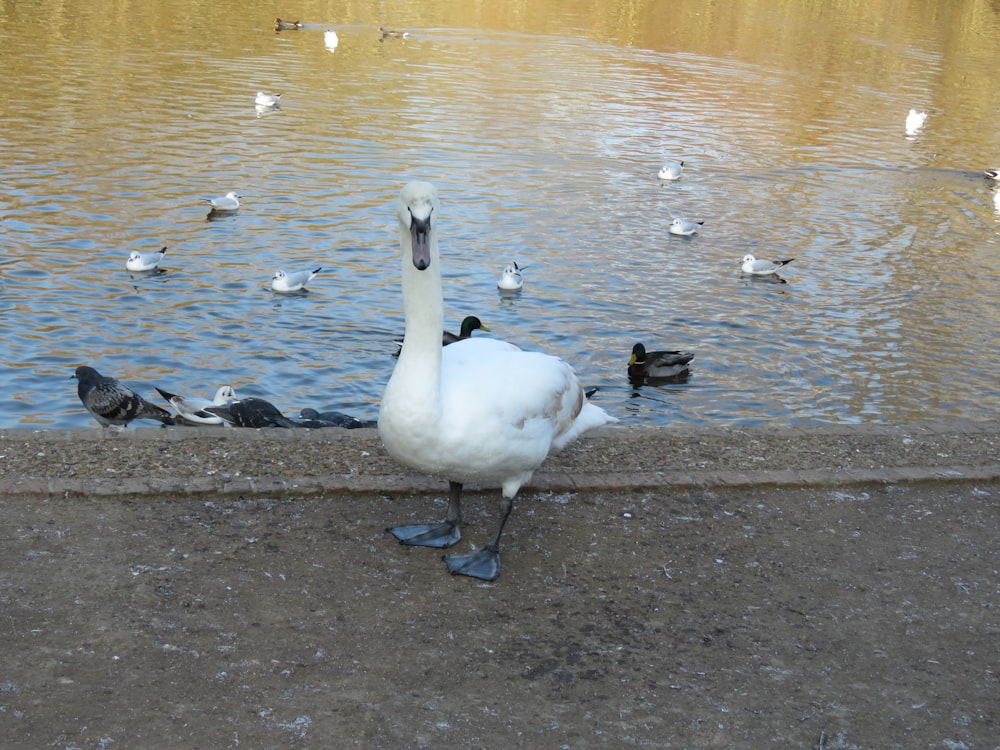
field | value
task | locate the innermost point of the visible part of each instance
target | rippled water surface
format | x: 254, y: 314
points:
x: 544, y: 138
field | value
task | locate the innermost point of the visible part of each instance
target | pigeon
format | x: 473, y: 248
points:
x: 915, y: 121
x: 280, y: 25
x: 292, y: 281
x: 330, y: 39
x: 252, y: 412
x: 228, y: 203
x: 760, y: 267
x: 144, y: 261
x: 111, y: 402
x: 267, y: 100
x: 683, y: 227
x: 313, y: 418
x: 510, y: 278
x: 192, y: 408
x: 671, y: 170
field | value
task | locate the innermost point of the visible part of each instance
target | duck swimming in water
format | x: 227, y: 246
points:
x: 659, y: 364
x: 480, y: 410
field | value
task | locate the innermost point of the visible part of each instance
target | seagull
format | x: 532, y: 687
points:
x: 671, y: 171
x: 915, y: 121
x: 390, y: 34
x: 113, y: 403
x: 992, y: 174
x: 267, y: 100
x: 683, y: 227
x: 661, y: 364
x: 480, y: 411
x: 228, y: 203
x: 280, y: 25
x: 330, y: 39
x: 760, y: 267
x: 293, y: 281
x: 144, y: 261
x: 313, y: 418
x: 510, y: 278
x: 192, y: 408
x: 252, y: 412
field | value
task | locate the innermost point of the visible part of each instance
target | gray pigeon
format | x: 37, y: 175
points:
x: 113, y: 403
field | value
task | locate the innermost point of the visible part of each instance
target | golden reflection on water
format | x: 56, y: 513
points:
x: 544, y: 119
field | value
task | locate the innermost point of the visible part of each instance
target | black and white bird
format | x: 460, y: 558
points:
x: 313, y: 418
x: 113, y: 403
x: 191, y: 409
x: 252, y: 412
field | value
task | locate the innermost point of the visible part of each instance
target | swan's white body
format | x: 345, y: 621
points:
x: 479, y: 410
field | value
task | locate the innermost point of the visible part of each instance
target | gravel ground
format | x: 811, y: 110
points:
x: 830, y: 587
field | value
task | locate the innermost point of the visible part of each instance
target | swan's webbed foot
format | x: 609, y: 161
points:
x: 442, y: 534
x: 483, y: 564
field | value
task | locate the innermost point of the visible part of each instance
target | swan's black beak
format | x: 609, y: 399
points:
x: 420, y: 231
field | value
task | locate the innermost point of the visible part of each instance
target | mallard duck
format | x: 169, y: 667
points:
x: 469, y: 324
x: 992, y: 174
x: 760, y: 267
x: 684, y: 227
x: 280, y: 25
x: 114, y: 403
x: 192, y: 408
x: 390, y: 34
x: 144, y: 261
x: 671, y: 170
x: 661, y: 364
x: 480, y: 410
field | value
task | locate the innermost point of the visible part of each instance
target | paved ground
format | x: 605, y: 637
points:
x: 831, y: 587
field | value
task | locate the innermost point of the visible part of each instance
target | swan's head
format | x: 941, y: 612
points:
x: 418, y: 203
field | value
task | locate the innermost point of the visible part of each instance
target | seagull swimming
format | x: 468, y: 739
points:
x: 112, y: 402
x: 684, y: 228
x: 228, y: 203
x: 915, y: 121
x: 510, y: 278
x: 671, y: 170
x: 292, y: 281
x: 144, y: 261
x: 760, y: 267
x: 330, y: 39
x: 192, y: 408
x: 267, y: 100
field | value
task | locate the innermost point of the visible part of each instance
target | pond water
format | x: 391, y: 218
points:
x: 544, y: 133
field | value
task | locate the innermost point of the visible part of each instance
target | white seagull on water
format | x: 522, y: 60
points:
x: 144, y: 261
x: 292, y: 281
x: 760, y: 267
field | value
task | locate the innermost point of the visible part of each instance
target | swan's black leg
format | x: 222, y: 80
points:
x: 484, y: 563
x: 442, y: 534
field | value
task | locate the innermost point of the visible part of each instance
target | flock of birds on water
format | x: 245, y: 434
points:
x: 463, y: 408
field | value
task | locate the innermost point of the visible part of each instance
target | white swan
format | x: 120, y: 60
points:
x: 915, y: 121
x: 480, y: 410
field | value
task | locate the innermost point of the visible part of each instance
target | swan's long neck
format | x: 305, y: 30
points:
x: 419, y: 364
